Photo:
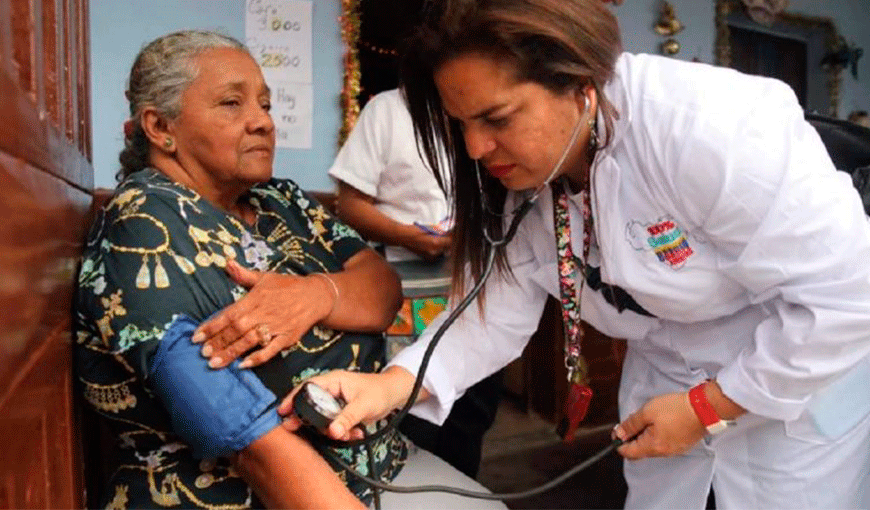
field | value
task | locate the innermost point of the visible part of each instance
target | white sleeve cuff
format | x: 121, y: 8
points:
x: 343, y: 174
x: 737, y: 385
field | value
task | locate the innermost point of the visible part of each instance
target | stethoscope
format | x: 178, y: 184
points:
x: 316, y: 407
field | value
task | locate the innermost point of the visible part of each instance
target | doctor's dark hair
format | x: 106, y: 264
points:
x: 561, y: 45
x: 162, y: 71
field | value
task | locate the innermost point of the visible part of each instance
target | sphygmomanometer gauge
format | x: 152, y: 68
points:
x: 315, y: 406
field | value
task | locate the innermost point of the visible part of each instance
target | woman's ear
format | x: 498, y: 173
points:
x: 587, y: 100
x: 157, y: 130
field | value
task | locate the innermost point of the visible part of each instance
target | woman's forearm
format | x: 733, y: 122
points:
x: 286, y: 472
x: 367, y: 294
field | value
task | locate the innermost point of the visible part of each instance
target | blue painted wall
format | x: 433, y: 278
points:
x: 637, y: 18
x: 120, y: 28
x: 851, y: 17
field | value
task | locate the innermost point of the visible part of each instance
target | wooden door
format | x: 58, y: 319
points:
x: 45, y: 183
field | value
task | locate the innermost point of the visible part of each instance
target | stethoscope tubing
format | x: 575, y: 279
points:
x: 524, y: 208
x: 520, y: 213
x: 494, y: 244
x: 503, y: 496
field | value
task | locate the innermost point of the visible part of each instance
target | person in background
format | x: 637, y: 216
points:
x: 689, y: 209
x: 388, y: 193
x: 860, y: 117
x: 385, y: 190
x: 202, y: 257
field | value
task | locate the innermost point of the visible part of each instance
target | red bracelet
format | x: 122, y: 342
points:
x: 705, y: 412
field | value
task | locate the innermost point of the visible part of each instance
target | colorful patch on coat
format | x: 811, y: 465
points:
x: 664, y: 238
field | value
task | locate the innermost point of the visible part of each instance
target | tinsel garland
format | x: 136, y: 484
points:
x: 350, y: 30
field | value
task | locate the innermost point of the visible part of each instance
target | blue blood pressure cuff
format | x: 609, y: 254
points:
x: 216, y: 411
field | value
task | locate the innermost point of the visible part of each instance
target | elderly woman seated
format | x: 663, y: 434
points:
x: 208, y: 290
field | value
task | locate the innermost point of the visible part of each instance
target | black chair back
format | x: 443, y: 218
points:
x: 849, y: 147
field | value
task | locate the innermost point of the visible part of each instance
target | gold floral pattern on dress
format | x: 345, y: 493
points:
x: 111, y: 397
x: 119, y: 502
x: 167, y: 495
x: 354, y: 348
x: 213, y: 246
x: 171, y: 486
x: 324, y: 341
x: 157, y: 251
x: 113, y: 308
x: 289, y: 243
x: 205, y: 241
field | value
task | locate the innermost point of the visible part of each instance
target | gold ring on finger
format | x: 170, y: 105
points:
x: 265, y: 336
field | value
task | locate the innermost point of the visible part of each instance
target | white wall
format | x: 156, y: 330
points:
x: 120, y: 28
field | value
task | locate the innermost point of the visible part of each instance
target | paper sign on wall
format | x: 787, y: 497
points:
x: 278, y: 33
x: 292, y: 113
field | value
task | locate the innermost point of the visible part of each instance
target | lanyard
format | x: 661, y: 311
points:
x: 570, y: 291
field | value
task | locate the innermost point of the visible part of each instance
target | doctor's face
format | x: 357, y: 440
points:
x: 516, y: 130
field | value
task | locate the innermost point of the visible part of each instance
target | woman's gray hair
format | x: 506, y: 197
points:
x: 161, y: 73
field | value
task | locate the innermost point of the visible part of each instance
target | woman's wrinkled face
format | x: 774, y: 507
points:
x: 517, y: 130
x: 224, y: 134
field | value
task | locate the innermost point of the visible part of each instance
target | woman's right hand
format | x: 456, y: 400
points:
x: 369, y: 397
x: 275, y: 313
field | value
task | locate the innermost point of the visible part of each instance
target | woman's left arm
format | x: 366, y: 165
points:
x: 279, y: 308
x: 286, y: 472
x: 368, y: 294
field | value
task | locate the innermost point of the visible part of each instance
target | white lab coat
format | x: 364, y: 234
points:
x: 717, y: 208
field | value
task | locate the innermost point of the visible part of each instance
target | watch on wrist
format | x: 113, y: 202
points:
x: 705, y: 412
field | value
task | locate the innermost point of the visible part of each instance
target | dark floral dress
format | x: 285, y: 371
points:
x: 156, y: 252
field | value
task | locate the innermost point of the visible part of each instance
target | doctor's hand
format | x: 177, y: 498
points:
x: 664, y: 426
x: 368, y: 397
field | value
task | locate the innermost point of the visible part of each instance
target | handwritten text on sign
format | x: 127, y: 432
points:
x: 292, y: 114
x: 278, y: 33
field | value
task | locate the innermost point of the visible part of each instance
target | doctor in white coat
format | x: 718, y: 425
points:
x: 712, y: 228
